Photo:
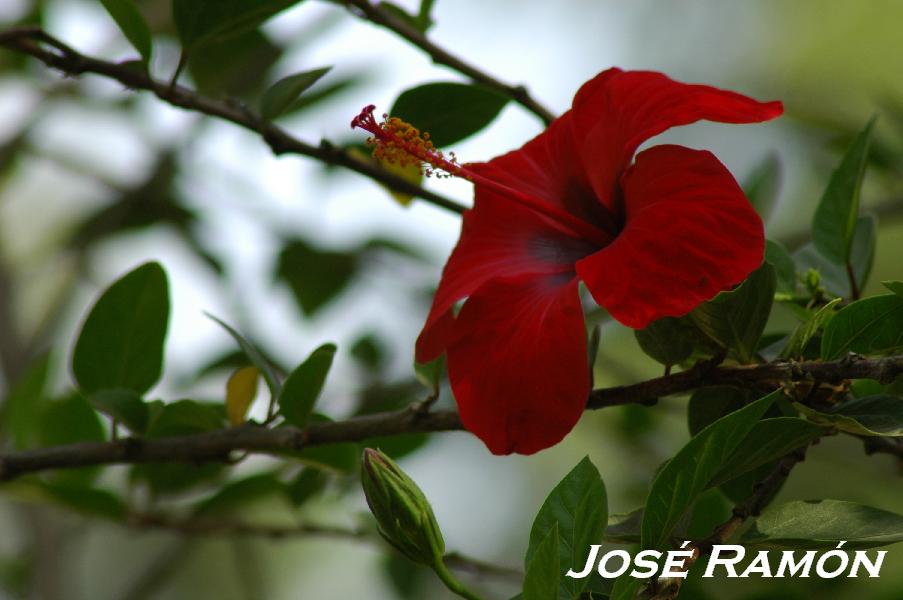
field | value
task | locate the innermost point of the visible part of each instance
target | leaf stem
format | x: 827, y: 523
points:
x: 450, y: 582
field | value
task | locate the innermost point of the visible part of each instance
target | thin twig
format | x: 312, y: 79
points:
x: 378, y: 16
x: 219, y: 445
x: 56, y: 54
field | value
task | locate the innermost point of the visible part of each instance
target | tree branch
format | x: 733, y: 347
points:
x: 220, y: 444
x: 378, y: 16
x: 58, y: 55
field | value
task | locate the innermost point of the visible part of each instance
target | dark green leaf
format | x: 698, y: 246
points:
x: 806, y: 331
x: 624, y: 528
x: 577, y: 509
x: 198, y: 21
x: 129, y: 20
x: 304, y: 384
x: 709, y: 404
x: 121, y: 341
x: 236, y: 495
x: 736, y: 319
x: 626, y: 587
x: 868, y: 326
x: 186, y: 417
x: 784, y: 268
x: 692, y: 469
x: 862, y: 253
x: 315, y: 276
x: 835, y: 218
x: 71, y: 420
x: 24, y: 403
x: 88, y: 500
x: 666, y: 340
x: 824, y: 523
x: 307, y: 484
x: 370, y: 352
x: 336, y: 458
x: 879, y: 415
x: 238, y: 66
x: 763, y: 184
x: 255, y: 356
x: 449, y: 112
x: 768, y: 440
x: 543, y: 569
x: 125, y: 406
x: 283, y: 94
x: 894, y: 286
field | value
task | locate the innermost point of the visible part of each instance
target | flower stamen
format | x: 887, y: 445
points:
x: 396, y: 141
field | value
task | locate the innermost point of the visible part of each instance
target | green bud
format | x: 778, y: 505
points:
x: 403, y: 514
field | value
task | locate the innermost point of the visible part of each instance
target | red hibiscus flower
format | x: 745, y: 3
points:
x: 651, y: 236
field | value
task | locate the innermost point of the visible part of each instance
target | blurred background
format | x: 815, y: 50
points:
x: 95, y: 179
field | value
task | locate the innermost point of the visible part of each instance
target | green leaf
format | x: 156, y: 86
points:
x: 283, y: 94
x: 624, y: 528
x: 709, y: 404
x: 577, y: 509
x: 692, y: 469
x: 132, y: 24
x: 238, y: 66
x: 121, y: 341
x: 835, y: 218
x: 186, y: 417
x: 544, y: 570
x: 668, y: 341
x: 449, y: 112
x: 315, y: 276
x: 867, y: 326
x: 304, y: 384
x: 254, y: 355
x: 305, y: 486
x: 236, y: 495
x: 736, y: 319
x: 626, y: 587
x: 430, y: 374
x: 87, y: 500
x: 23, y: 404
x: 763, y: 184
x: 862, y: 253
x: 198, y: 21
x: 125, y: 406
x: 70, y: 420
x: 823, y: 524
x: 834, y: 277
x: 894, y: 286
x: 784, y: 268
x: 768, y: 440
x: 879, y: 415
x: 806, y: 331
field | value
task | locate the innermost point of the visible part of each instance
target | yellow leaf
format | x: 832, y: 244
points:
x: 241, y: 389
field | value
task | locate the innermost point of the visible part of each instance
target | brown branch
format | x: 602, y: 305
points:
x: 220, y: 444
x: 56, y: 54
x: 378, y: 16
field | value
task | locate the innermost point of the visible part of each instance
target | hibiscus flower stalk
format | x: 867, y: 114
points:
x: 650, y: 234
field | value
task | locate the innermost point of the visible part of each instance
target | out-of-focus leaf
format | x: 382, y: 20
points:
x: 370, y: 352
x: 126, y: 406
x: 823, y: 524
x: 304, y: 384
x: 867, y: 326
x: 835, y: 218
x: 763, y: 184
x: 894, y: 286
x: 254, y: 355
x: 449, y: 112
x: 238, y: 66
x: 186, y: 417
x: 806, y: 331
x: 689, y: 473
x: 307, y: 484
x: 879, y: 415
x: 430, y: 374
x: 199, y: 21
x: 69, y: 420
x: 315, y: 276
x: 666, y: 340
x: 624, y: 528
x: 784, y: 268
x: 282, y: 95
x: 241, y: 389
x: 132, y: 24
x: 88, y: 500
x: 236, y: 495
x: 121, y: 341
x: 577, y: 510
x: 23, y: 405
x: 736, y: 319
x: 544, y: 568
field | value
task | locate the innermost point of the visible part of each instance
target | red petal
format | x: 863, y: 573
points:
x: 498, y: 239
x: 518, y: 367
x: 616, y: 111
x: 690, y: 233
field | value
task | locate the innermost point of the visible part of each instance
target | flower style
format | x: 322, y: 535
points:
x: 650, y: 237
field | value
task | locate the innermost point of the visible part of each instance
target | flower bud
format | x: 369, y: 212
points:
x: 403, y: 514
